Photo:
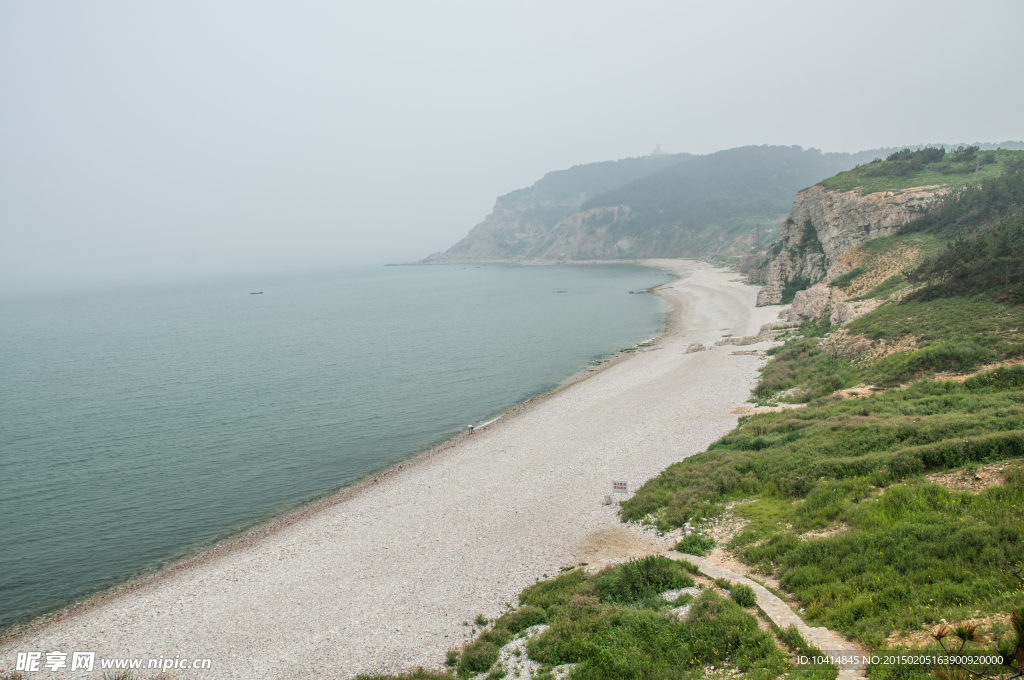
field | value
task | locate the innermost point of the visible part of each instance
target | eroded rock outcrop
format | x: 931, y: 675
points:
x: 585, y: 236
x: 816, y: 300
x: 823, y: 225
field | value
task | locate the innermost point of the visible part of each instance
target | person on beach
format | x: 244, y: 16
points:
x: 469, y: 429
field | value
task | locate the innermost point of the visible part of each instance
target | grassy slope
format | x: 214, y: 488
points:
x: 886, y: 260
x: 866, y: 180
x: 951, y: 334
x: 892, y: 550
x: 839, y: 496
x: 908, y: 552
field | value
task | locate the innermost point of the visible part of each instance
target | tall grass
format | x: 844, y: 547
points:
x: 883, y: 438
x: 915, y: 555
x: 951, y: 334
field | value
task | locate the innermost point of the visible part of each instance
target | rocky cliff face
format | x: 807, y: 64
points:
x: 825, y: 224
x: 526, y: 222
x: 811, y: 303
x: 517, y: 227
x: 585, y: 236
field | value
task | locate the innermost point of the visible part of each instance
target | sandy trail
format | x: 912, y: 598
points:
x: 385, y: 579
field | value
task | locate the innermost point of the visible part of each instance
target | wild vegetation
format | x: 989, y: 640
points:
x: 967, y: 209
x: 992, y: 261
x: 906, y: 552
x: 959, y: 300
x: 559, y: 193
x: 615, y: 625
x: 912, y: 341
x: 926, y: 167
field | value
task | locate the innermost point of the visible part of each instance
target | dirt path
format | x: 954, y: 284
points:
x: 776, y: 609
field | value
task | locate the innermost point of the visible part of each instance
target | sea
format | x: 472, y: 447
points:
x: 140, y: 425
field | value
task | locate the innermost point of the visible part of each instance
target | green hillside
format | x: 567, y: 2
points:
x: 663, y: 206
x: 593, y: 178
x: 691, y: 208
x: 524, y: 219
x: 925, y: 167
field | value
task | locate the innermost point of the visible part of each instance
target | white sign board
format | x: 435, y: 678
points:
x: 620, y: 487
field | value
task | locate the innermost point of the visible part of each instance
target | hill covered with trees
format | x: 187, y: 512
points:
x: 660, y: 205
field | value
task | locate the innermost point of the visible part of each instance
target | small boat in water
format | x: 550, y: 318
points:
x: 257, y: 293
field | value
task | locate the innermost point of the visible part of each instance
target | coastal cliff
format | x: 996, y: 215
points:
x: 823, y: 225
x: 525, y: 223
x: 718, y: 205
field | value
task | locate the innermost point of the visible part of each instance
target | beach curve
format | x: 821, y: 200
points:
x: 382, y: 579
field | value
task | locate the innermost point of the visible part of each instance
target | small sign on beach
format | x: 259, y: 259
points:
x: 620, y: 487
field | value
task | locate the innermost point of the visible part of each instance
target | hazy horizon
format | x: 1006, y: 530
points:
x: 143, y: 144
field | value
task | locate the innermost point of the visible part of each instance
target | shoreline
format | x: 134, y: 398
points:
x: 370, y: 493
x: 251, y: 535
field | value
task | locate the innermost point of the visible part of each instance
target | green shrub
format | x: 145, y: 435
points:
x: 943, y: 356
x: 819, y: 326
x: 949, y: 334
x: 555, y: 593
x: 827, y: 501
x: 795, y: 642
x: 907, y: 554
x: 478, y: 656
x: 640, y: 580
x: 887, y: 287
x: 613, y: 643
x: 743, y: 595
x: 688, y: 566
x: 520, y: 619
x: 792, y: 288
x: 695, y: 544
x: 952, y: 170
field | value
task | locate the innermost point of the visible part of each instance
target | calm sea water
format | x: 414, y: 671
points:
x: 139, y: 425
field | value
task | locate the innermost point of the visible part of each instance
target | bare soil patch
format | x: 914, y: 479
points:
x: 971, y: 480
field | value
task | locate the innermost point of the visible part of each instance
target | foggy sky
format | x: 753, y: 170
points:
x: 150, y: 141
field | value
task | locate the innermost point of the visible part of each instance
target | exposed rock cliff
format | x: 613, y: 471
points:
x: 517, y: 227
x: 823, y: 225
x: 811, y: 303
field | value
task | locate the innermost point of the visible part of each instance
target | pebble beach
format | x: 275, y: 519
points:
x: 390, y: 574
